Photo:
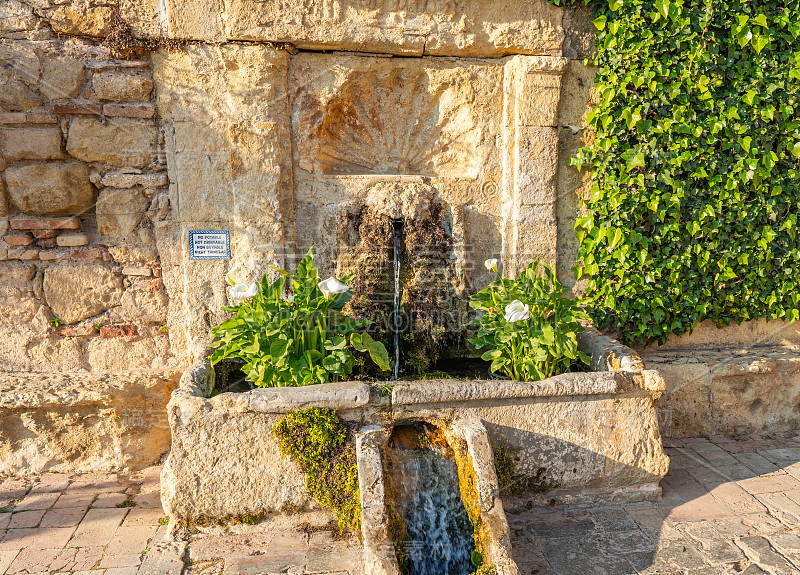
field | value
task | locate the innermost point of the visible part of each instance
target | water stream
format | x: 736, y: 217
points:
x: 396, y: 318
x: 425, y: 483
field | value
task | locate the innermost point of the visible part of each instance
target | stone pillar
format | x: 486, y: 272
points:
x: 532, y: 89
x: 226, y: 123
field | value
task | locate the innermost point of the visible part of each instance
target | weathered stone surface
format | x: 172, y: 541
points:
x: 19, y: 73
x: 83, y: 422
x: 124, y: 180
x: 728, y: 391
x: 75, y: 293
x: 578, y: 94
x: 120, y: 87
x: 72, y: 240
x: 31, y: 144
x: 574, y: 187
x: 94, y: 21
x: 117, y: 142
x: 200, y: 437
x: 120, y: 211
x: 16, y: 16
x: 51, y: 188
x: 399, y: 27
x: 62, y: 77
x: 347, y: 120
x: 120, y: 353
x: 344, y: 395
x: 579, y: 31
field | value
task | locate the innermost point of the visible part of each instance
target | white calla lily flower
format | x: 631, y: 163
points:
x: 491, y: 264
x: 242, y: 291
x: 232, y: 277
x: 517, y: 311
x: 332, y: 286
x: 288, y: 298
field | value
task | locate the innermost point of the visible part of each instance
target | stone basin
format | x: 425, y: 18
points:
x: 576, y: 437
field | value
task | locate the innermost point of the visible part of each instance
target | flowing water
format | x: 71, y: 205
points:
x: 396, y: 319
x: 425, y: 483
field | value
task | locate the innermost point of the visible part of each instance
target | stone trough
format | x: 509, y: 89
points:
x: 576, y: 436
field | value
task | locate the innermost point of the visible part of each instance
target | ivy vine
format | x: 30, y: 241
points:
x: 693, y: 213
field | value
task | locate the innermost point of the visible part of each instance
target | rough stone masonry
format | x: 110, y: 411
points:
x: 278, y: 122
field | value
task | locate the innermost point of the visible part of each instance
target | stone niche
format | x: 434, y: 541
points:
x: 289, y: 151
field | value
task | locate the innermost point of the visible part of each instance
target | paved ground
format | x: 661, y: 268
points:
x: 728, y: 507
x: 99, y: 524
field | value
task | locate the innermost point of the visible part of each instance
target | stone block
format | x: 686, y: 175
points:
x: 25, y: 254
x: 31, y: 144
x: 53, y: 255
x: 16, y: 276
x: 578, y: 94
x: 72, y: 240
x: 16, y: 16
x: 536, y: 166
x: 82, y: 422
x: 44, y: 234
x: 118, y: 353
x: 727, y: 391
x: 62, y: 77
x: 113, y: 86
x: 417, y: 28
x: 95, y: 21
x: 45, y: 224
x: 119, y: 211
x: 20, y: 68
x: 13, y: 118
x: 86, y: 254
x: 538, y: 99
x: 79, y: 292
x: 117, y: 142
x: 125, y: 180
x: 579, y: 32
x: 50, y: 188
x: 41, y: 117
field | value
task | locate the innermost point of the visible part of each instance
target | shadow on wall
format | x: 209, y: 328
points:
x: 727, y: 507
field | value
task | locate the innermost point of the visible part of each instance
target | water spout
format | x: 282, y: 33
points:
x: 396, y: 317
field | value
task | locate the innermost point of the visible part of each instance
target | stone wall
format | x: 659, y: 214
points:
x: 83, y: 181
x: 257, y: 126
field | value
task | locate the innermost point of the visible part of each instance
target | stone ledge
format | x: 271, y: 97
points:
x: 727, y: 391
x: 83, y: 421
x: 343, y: 395
x: 566, y: 384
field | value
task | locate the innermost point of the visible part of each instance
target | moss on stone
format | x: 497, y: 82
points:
x: 324, y: 448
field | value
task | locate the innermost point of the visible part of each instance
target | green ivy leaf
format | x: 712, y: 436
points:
x: 600, y: 22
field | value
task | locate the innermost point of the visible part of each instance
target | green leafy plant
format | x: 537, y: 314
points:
x: 324, y: 448
x: 695, y: 165
x: 297, y: 339
x: 55, y: 322
x: 529, y: 325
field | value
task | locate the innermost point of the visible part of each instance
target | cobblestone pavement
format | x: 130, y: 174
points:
x: 728, y: 507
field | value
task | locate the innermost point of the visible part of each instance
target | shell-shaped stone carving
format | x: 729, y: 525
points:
x: 398, y: 121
